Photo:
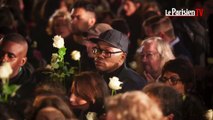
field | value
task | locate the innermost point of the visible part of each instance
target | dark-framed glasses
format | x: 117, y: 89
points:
x: 106, y: 53
x: 172, y: 80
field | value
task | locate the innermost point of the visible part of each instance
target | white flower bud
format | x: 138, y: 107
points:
x: 91, y: 116
x: 58, y: 41
x: 133, y: 65
x: 76, y: 55
x: 5, y: 70
x: 54, y: 57
x: 114, y: 83
x: 209, y: 114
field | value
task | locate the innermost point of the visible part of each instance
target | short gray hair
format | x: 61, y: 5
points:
x: 163, y: 49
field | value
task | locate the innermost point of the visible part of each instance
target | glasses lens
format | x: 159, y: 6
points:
x: 95, y: 50
x: 174, y: 80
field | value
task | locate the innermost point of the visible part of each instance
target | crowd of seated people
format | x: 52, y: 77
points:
x: 135, y: 63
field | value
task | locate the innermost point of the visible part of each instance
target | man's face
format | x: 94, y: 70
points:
x: 13, y: 53
x: 81, y: 20
x: 149, y: 32
x: 108, y: 63
x: 150, y: 58
x: 129, y: 7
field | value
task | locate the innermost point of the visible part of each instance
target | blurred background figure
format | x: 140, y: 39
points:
x: 121, y: 25
x: 167, y: 98
x: 58, y: 24
x: 132, y: 106
x: 161, y: 26
x: 83, y: 17
x: 52, y: 108
x: 132, y: 15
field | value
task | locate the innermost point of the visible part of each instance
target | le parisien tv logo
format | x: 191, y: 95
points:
x: 198, y: 12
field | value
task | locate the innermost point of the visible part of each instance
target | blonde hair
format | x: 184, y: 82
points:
x: 58, y: 13
x: 133, y: 106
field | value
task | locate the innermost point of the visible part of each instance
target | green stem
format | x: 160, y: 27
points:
x: 5, y: 97
x: 113, y: 92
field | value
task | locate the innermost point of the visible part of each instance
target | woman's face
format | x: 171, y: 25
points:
x: 129, y: 7
x: 62, y: 27
x: 77, y: 101
x: 173, y: 79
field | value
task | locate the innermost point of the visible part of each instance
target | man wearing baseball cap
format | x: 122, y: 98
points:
x: 110, y: 56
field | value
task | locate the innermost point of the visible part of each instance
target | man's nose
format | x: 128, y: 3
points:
x: 143, y: 58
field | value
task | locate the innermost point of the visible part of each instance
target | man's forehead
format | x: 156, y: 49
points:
x: 13, y: 46
x: 149, y: 46
x: 78, y: 11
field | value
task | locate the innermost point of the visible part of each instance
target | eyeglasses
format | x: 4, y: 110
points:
x: 149, y: 55
x: 106, y: 54
x: 173, y: 80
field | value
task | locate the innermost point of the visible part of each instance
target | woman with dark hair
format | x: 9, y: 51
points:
x: 51, y: 107
x: 179, y: 74
x: 87, y: 94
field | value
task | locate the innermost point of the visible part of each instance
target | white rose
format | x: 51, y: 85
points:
x: 5, y: 70
x: 54, y: 58
x: 91, y: 116
x: 58, y: 41
x: 76, y: 55
x: 209, y: 114
x: 114, y: 83
x: 133, y: 65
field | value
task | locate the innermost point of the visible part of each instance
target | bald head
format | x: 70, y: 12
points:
x: 18, y: 39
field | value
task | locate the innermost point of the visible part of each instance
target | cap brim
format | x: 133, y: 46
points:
x: 94, y: 39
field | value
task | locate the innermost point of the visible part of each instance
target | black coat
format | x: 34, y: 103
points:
x: 131, y: 80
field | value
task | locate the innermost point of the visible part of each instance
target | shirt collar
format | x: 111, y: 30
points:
x: 177, y: 39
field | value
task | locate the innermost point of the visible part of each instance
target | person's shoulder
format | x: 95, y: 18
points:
x: 130, y: 74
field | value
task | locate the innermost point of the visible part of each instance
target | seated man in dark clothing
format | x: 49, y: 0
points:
x: 13, y: 49
x: 161, y: 26
x: 110, y: 56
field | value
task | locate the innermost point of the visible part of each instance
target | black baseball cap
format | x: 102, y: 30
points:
x: 115, y: 38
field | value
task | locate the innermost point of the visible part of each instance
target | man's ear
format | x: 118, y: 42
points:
x: 161, y: 34
x: 92, y: 21
x: 23, y: 61
x: 170, y: 116
x: 138, y: 5
x: 123, y: 56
